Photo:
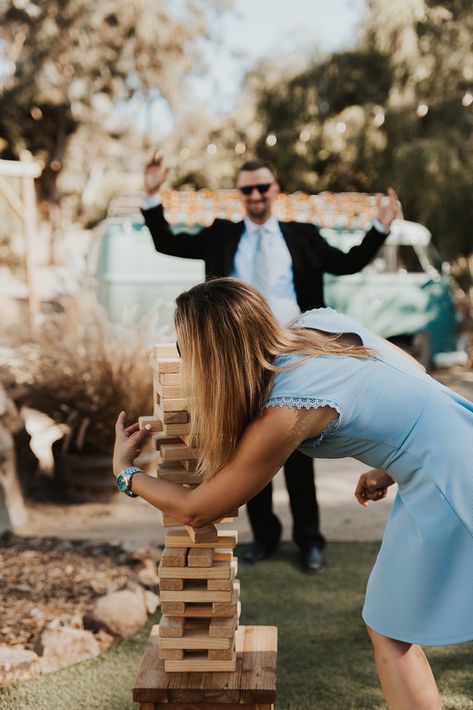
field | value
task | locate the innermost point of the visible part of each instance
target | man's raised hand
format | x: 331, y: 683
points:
x: 155, y: 173
x: 389, y: 208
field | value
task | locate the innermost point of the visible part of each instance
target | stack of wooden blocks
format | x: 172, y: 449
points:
x: 199, y: 593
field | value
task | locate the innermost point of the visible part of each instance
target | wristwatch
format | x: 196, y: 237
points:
x: 124, y: 480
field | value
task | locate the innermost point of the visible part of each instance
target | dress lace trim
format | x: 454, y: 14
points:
x: 309, y: 403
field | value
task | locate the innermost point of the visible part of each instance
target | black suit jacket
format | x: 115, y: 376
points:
x: 311, y: 255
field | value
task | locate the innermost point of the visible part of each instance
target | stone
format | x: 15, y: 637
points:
x: 151, y: 601
x: 61, y: 647
x: 104, y: 640
x: 17, y: 663
x: 148, y: 574
x: 144, y: 553
x: 121, y: 613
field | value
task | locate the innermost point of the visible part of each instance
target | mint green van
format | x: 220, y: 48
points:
x: 404, y: 294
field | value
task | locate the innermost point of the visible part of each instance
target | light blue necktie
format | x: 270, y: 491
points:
x: 264, y: 258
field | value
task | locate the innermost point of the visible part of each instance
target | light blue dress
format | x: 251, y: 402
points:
x: 395, y: 417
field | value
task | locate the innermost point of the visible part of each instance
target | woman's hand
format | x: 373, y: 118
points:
x: 128, y: 443
x: 372, y: 485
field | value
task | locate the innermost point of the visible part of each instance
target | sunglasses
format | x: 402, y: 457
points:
x: 262, y: 188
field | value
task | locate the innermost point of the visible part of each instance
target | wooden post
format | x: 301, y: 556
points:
x: 31, y: 226
x: 26, y: 170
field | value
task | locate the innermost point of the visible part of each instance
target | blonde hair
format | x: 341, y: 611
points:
x: 229, y: 337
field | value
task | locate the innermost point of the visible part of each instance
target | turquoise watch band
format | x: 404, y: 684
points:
x: 124, y: 480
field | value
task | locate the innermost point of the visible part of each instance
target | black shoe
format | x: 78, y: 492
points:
x: 312, y: 560
x: 257, y: 551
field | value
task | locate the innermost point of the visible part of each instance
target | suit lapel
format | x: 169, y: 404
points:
x: 233, y: 236
x: 288, y: 234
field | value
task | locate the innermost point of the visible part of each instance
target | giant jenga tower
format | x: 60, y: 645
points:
x: 199, y: 592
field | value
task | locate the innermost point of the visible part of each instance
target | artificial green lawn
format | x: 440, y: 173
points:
x: 324, y: 660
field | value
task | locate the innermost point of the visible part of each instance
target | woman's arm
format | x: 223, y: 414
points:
x: 264, y: 447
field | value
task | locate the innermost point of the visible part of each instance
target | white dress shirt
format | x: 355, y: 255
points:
x: 279, y: 292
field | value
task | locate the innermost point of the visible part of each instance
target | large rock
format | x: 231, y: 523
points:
x: 152, y: 602
x: 16, y: 663
x: 121, y: 613
x: 62, y: 647
x: 148, y: 575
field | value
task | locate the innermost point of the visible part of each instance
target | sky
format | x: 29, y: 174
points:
x: 258, y: 29
x: 268, y: 28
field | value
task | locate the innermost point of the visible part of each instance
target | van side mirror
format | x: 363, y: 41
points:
x: 446, y: 267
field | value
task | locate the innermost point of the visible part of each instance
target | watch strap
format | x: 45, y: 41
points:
x: 127, y: 473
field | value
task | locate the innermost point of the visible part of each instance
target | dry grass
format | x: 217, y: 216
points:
x: 81, y: 371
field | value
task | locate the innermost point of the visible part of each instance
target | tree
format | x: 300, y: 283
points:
x: 389, y: 111
x: 73, y: 62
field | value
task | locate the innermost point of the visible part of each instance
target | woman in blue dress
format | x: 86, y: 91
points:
x: 331, y: 388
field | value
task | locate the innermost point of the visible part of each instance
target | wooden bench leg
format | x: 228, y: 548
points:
x: 204, y: 706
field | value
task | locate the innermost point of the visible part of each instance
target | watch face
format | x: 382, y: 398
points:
x: 122, y: 482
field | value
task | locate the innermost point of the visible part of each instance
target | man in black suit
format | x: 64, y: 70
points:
x: 285, y: 261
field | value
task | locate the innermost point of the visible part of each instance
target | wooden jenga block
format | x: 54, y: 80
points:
x: 174, y: 557
x: 194, y: 592
x: 219, y: 570
x: 220, y: 585
x: 171, y: 585
x: 155, y: 423
x: 228, y: 608
x: 222, y: 555
x: 200, y: 663
x: 171, y: 654
x: 173, y: 608
x: 223, y: 627
x: 170, y: 378
x: 171, y: 417
x: 207, y: 533
x: 165, y: 365
x: 190, y: 464
x: 191, y: 440
x: 219, y: 609
x: 200, y: 557
x: 178, y: 429
x: 220, y: 654
x: 171, y: 626
x: 170, y: 391
x: 178, y: 404
x: 177, y: 474
x: 181, y: 538
x: 177, y: 452
x: 194, y: 639
x: 162, y: 438
x: 167, y: 521
x: 165, y: 350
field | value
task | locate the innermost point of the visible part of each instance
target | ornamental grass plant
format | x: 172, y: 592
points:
x: 81, y: 371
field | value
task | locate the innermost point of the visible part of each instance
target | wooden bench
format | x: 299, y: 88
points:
x: 251, y: 687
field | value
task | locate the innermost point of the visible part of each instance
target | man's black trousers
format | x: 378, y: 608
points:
x: 299, y: 475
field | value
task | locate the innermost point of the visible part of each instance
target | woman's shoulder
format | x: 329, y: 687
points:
x: 324, y: 317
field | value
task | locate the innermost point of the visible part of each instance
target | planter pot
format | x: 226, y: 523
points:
x: 84, y: 478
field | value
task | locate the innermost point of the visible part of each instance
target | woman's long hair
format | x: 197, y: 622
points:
x: 229, y: 337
